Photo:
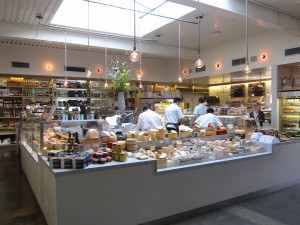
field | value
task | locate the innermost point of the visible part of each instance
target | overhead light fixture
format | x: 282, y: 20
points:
x: 199, y: 63
x: 134, y: 56
x: 88, y: 73
x: 179, y: 53
x: 247, y: 67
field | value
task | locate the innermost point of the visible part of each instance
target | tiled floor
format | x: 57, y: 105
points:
x: 19, y: 207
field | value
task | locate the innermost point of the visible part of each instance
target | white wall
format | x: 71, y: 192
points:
x: 155, y: 69
x: 271, y: 43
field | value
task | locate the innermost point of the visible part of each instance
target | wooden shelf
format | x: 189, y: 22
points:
x: 36, y: 87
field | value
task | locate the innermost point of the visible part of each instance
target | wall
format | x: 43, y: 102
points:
x: 157, y: 69
x: 272, y: 44
x: 154, y: 69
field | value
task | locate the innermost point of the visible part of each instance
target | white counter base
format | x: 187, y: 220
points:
x: 136, y: 193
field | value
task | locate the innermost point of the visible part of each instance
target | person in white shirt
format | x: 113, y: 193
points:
x: 149, y: 119
x: 209, y: 118
x: 200, y: 109
x: 173, y: 115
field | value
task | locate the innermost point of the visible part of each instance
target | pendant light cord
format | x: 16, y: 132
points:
x: 88, y: 20
x: 134, y: 38
x: 65, y: 54
x: 105, y: 56
x: 199, y: 18
x: 179, y: 48
x: 140, y: 56
x: 247, y: 54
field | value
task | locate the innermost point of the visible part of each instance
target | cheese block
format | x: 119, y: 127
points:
x: 239, y: 131
x: 131, y: 148
x: 123, y: 144
x: 163, y: 156
x: 131, y: 141
x: 142, y: 157
x: 210, y: 133
x: 172, y: 134
x: 152, y: 133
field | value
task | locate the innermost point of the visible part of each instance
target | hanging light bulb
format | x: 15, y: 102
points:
x: 180, y: 79
x: 139, y: 76
x: 134, y: 56
x: 88, y: 73
x: 105, y: 84
x: 141, y: 86
x: 199, y: 63
x: 247, y: 68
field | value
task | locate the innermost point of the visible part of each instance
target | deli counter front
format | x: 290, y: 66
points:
x: 178, y: 175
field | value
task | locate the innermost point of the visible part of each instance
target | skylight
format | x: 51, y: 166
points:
x: 105, y: 18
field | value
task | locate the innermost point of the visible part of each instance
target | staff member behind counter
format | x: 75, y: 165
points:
x: 173, y: 115
x: 200, y: 109
x: 149, y: 119
x: 209, y: 119
x: 258, y: 115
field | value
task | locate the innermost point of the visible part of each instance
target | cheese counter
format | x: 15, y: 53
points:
x: 141, y: 191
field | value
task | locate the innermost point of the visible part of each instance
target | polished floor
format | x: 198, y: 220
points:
x: 19, y: 207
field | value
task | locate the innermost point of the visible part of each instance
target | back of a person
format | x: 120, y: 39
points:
x: 171, y: 113
x: 151, y: 120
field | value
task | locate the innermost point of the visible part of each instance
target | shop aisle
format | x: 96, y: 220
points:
x: 17, y: 202
x: 19, y: 207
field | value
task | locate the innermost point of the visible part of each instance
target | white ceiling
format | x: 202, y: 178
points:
x: 230, y: 25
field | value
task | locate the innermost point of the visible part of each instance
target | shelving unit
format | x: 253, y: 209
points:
x: 290, y: 116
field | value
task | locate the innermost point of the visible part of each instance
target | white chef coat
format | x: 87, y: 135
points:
x: 173, y: 114
x: 204, y: 120
x: 149, y: 120
x: 200, y: 109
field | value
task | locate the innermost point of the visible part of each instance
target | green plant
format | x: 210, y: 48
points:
x: 119, y: 79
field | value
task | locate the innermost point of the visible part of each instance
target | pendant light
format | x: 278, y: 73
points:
x: 179, y: 53
x: 134, y: 56
x: 139, y: 76
x: 65, y: 60
x: 199, y: 63
x: 105, y: 84
x: 247, y: 67
x: 88, y: 73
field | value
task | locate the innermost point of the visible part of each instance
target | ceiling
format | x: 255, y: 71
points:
x: 227, y: 26
x: 218, y: 25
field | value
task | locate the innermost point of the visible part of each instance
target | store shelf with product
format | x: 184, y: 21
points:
x: 207, y: 158
x: 290, y: 116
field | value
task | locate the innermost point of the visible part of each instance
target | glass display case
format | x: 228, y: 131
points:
x: 229, y: 120
x: 290, y: 116
x: 39, y: 134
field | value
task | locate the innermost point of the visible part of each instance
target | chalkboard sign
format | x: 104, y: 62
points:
x: 237, y: 90
x: 256, y: 89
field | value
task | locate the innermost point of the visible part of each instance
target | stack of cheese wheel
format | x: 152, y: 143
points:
x: 152, y: 133
x: 161, y: 134
x: 123, y: 144
x: 172, y: 134
x: 131, y: 144
x: 143, y: 136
